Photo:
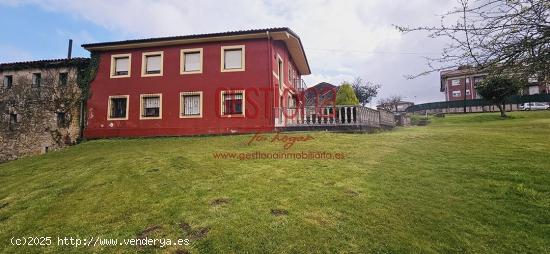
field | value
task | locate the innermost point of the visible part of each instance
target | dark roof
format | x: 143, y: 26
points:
x: 91, y: 46
x: 192, y: 36
x: 47, y: 63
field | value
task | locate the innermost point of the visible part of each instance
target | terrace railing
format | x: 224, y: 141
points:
x: 334, y: 116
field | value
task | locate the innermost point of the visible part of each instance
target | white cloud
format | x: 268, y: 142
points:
x: 342, y: 38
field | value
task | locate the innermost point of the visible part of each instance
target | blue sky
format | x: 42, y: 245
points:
x: 343, y: 39
x: 35, y: 33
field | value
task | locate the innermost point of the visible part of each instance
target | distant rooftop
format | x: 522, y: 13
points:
x: 46, y: 63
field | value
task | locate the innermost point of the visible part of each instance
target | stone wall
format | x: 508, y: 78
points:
x: 31, y: 125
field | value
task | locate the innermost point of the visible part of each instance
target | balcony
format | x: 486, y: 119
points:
x: 357, y: 117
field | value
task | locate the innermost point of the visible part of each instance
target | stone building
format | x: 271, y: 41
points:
x: 40, y: 106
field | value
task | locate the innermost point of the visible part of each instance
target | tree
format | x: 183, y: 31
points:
x: 390, y: 103
x: 498, y: 36
x: 346, y: 96
x: 497, y: 88
x: 364, y: 90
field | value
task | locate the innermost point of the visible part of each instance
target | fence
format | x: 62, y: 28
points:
x: 334, y: 116
x: 478, y: 105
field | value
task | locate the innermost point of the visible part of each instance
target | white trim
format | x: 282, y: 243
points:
x: 113, y: 65
x: 109, y: 118
x: 144, y: 56
x: 243, y: 57
x: 141, y: 116
x: 200, y: 104
x: 182, y: 60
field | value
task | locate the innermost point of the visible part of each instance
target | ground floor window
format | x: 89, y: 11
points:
x: 190, y: 104
x: 232, y: 103
x: 456, y: 93
x: 118, y: 107
x: 151, y: 106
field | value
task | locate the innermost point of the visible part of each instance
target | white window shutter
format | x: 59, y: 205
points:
x: 122, y: 64
x: 153, y: 63
x: 233, y: 59
x: 192, y: 61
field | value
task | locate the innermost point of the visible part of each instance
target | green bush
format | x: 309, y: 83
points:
x: 346, y: 96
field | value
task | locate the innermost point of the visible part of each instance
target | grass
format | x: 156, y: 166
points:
x: 465, y: 183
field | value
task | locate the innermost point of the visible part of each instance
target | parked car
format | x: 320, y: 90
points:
x: 534, y: 106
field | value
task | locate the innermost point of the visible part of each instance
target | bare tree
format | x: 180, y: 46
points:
x: 365, y: 90
x: 390, y: 103
x: 499, y: 36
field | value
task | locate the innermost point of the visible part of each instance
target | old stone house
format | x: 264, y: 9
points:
x: 40, y: 106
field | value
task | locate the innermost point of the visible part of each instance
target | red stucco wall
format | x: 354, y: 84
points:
x: 257, y: 80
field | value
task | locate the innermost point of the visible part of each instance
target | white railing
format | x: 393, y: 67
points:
x: 333, y: 116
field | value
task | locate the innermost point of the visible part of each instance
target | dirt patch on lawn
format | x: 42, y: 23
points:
x: 351, y: 193
x: 279, y: 212
x: 180, y: 251
x: 2, y: 205
x: 220, y: 201
x: 193, y: 233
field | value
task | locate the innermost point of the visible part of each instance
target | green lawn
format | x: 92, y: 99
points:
x: 466, y: 183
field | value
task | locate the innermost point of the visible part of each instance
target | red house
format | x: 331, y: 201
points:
x: 231, y: 82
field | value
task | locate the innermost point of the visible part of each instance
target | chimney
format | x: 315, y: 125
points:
x: 70, y: 50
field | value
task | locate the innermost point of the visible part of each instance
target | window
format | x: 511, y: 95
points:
x: 533, y: 90
x: 190, y: 104
x: 151, y: 106
x: 63, y: 77
x: 233, y: 58
x: 280, y: 71
x: 118, y: 107
x: 455, y: 82
x: 191, y: 61
x: 8, y: 81
x: 456, y: 93
x: 14, y: 118
x: 61, y: 121
x: 467, y: 80
x: 152, y: 64
x: 232, y: 103
x: 121, y: 65
x: 467, y: 91
x: 36, y: 78
x: 289, y: 73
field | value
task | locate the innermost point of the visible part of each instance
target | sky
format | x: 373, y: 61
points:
x: 343, y: 39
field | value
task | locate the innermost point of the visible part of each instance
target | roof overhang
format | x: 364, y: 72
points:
x: 292, y: 41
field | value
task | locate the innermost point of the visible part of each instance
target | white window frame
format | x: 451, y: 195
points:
x: 141, y: 97
x: 243, y: 57
x: 281, y: 79
x: 113, y: 65
x: 453, y: 82
x: 182, y: 60
x: 222, y: 103
x: 199, y: 93
x: 144, y: 56
x: 109, y: 118
x: 458, y: 94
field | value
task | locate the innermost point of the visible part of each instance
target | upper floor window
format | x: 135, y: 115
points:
x: 152, y: 64
x: 63, y: 77
x: 280, y: 71
x: 121, y: 65
x: 118, y: 107
x: 233, y: 58
x: 455, y: 82
x: 232, y: 103
x: 36, y: 79
x: 191, y: 104
x: 151, y: 106
x: 191, y: 61
x: 8, y: 81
